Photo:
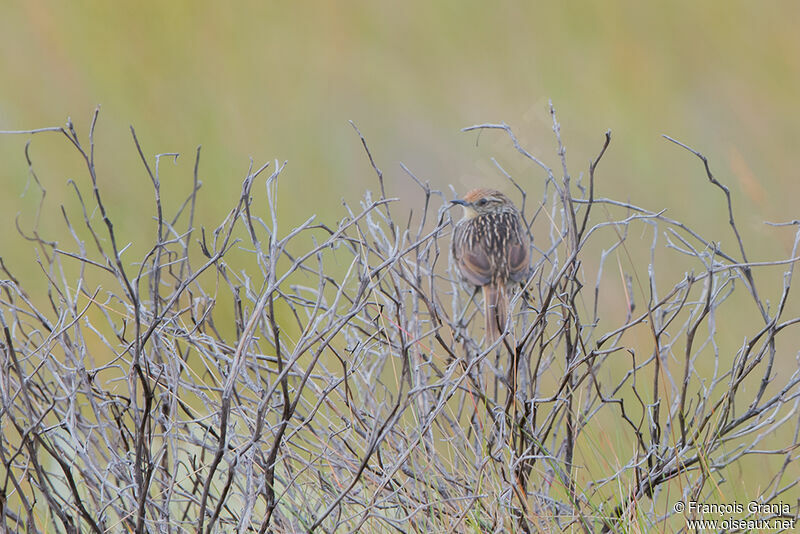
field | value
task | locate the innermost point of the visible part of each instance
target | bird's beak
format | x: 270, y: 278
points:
x: 460, y: 202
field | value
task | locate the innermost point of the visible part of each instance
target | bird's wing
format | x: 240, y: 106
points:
x: 476, y: 267
x: 519, y: 259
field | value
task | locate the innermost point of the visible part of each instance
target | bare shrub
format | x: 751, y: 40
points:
x: 334, y: 377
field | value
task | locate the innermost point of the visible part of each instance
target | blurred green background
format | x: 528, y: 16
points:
x: 280, y: 80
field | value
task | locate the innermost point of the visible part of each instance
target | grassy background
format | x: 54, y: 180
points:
x: 281, y: 80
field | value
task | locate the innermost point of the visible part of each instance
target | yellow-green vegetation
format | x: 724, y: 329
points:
x: 425, y: 407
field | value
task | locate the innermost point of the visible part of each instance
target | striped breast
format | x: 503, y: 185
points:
x: 492, y: 248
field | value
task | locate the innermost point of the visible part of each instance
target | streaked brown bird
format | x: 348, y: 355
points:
x: 492, y: 250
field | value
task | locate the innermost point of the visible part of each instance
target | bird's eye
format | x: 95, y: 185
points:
x: 481, y: 202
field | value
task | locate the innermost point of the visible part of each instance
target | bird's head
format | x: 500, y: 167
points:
x: 482, y: 201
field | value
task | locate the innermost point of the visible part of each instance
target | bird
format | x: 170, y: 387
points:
x: 491, y: 247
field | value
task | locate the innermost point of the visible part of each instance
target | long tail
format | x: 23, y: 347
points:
x: 495, y: 310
